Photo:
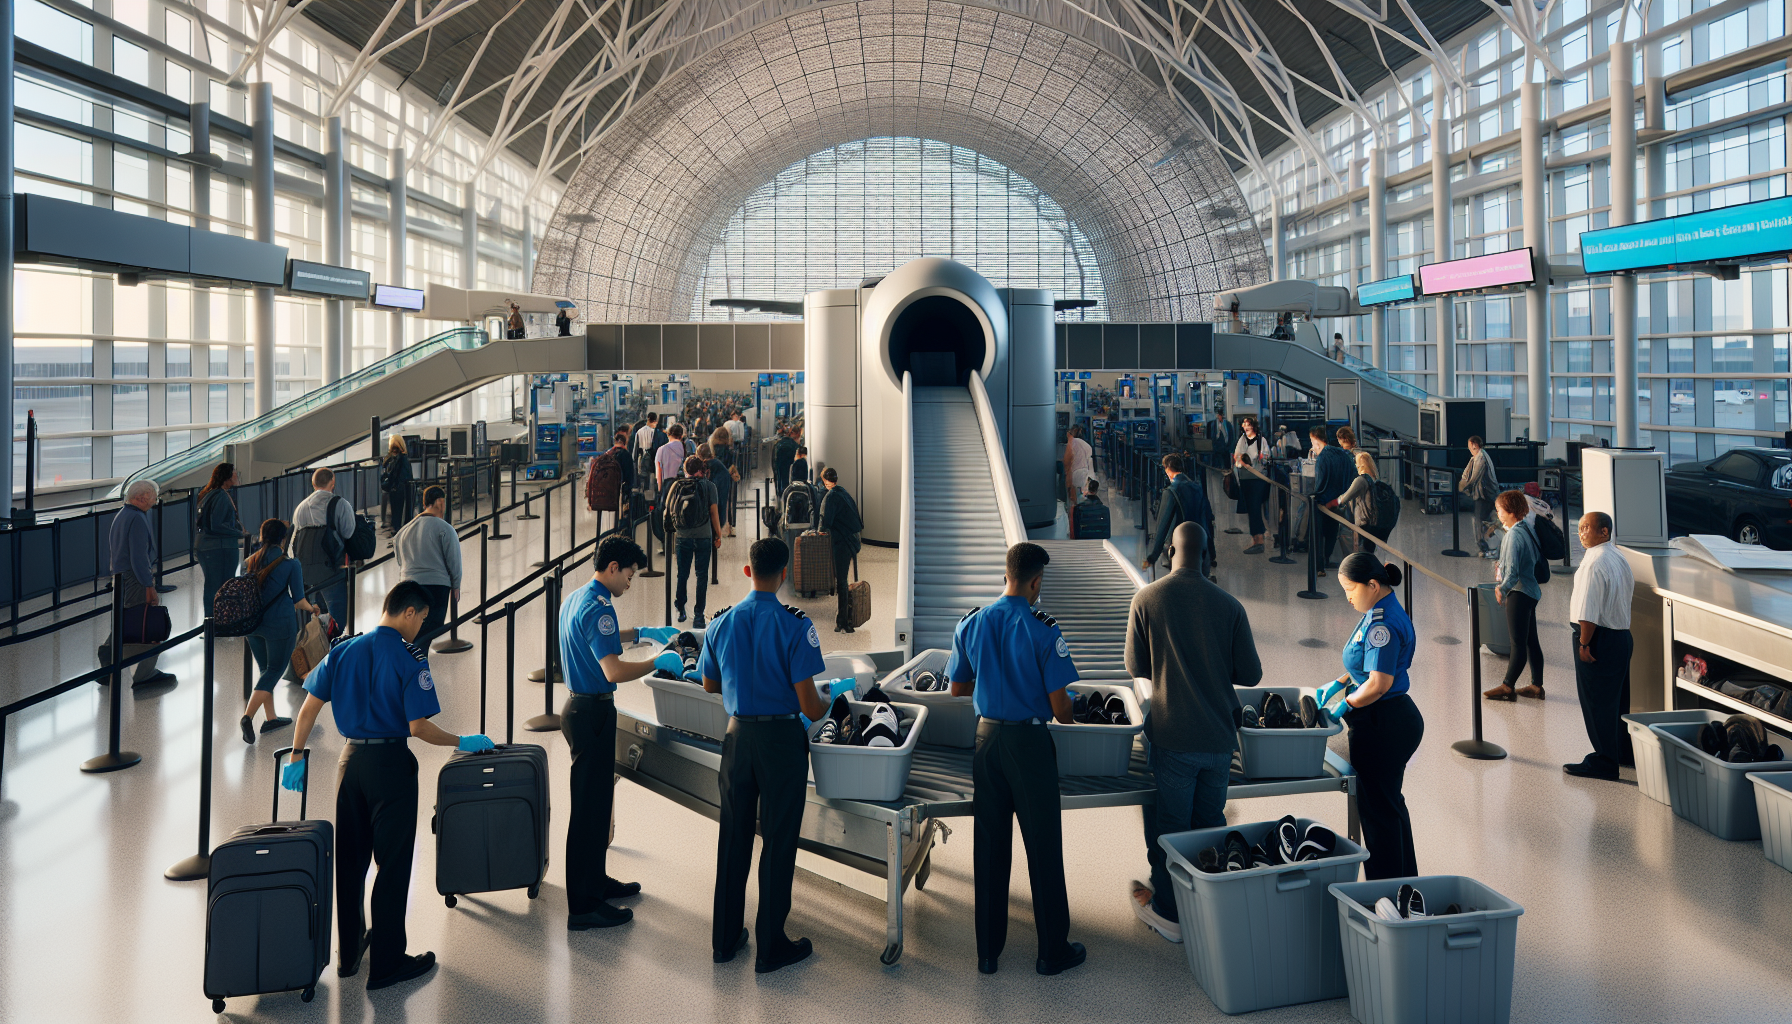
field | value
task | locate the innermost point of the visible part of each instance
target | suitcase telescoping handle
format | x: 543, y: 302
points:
x: 305, y: 788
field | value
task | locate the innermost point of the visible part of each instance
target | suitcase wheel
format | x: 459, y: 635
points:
x: 305, y: 996
x: 217, y: 1006
x: 535, y: 890
x: 450, y: 900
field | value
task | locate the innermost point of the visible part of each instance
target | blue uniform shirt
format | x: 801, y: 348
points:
x: 377, y: 684
x: 588, y: 634
x: 1017, y: 657
x: 1383, y: 642
x: 760, y: 650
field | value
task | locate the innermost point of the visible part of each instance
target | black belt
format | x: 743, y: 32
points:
x: 594, y: 696
x: 765, y: 718
x: 1003, y: 721
x: 366, y: 741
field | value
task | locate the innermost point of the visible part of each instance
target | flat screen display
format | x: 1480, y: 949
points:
x: 1495, y: 270
x: 1734, y: 232
x: 1380, y: 293
x: 324, y: 279
x: 394, y: 297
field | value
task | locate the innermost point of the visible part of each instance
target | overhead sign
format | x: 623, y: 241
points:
x: 393, y: 296
x: 324, y: 279
x: 1495, y: 270
x: 1732, y: 233
x: 1380, y: 293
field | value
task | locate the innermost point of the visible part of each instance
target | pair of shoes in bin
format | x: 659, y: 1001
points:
x: 1408, y: 904
x: 1098, y: 709
x: 1739, y: 739
x: 1285, y: 844
x: 679, y: 659
x: 1276, y: 714
x: 928, y: 682
x: 884, y: 726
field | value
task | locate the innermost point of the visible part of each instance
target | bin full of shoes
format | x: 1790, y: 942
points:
x: 679, y: 700
x: 951, y: 721
x: 862, y: 749
x: 1283, y: 732
x: 1708, y: 766
x: 1107, y: 719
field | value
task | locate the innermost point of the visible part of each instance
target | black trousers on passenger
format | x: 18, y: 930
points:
x: 1014, y: 774
x: 1527, y: 649
x: 397, y: 506
x: 842, y: 580
x: 1383, y: 737
x: 589, y: 724
x: 438, y: 613
x: 765, y: 770
x: 376, y: 820
x: 1604, y: 691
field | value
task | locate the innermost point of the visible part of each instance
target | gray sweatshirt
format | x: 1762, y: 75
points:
x: 428, y: 552
x: 1193, y: 641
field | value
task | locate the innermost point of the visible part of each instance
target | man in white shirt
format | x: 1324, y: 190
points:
x: 737, y: 428
x: 1599, y: 611
x: 644, y: 436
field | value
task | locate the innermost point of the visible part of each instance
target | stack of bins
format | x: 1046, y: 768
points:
x: 1651, y: 769
x: 1453, y: 967
x: 1264, y: 937
x: 1712, y: 793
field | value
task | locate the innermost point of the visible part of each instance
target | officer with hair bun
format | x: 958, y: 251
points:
x: 1385, y: 725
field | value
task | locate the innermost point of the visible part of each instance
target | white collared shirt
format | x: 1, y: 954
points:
x: 1603, y: 589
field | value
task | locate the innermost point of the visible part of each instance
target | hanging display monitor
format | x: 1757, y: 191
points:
x: 1494, y: 270
x: 1732, y: 233
x: 324, y: 279
x: 1380, y: 293
x: 392, y: 296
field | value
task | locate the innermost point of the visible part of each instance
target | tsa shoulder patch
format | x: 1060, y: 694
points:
x: 1063, y: 648
x: 814, y: 637
x: 424, y: 680
x: 1379, y: 635
x: 606, y: 624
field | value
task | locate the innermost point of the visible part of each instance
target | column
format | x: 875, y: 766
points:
x: 1441, y: 224
x: 1378, y: 250
x: 1535, y: 200
x: 1623, y: 199
x: 6, y: 243
x: 199, y: 120
x: 1278, y: 248
x: 262, y: 166
x: 1655, y: 119
x: 395, y: 244
x: 469, y: 272
x: 335, y: 249
x: 528, y: 252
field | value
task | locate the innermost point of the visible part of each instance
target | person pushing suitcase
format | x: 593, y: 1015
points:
x: 381, y: 693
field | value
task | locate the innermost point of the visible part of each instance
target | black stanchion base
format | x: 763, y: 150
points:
x: 542, y: 723
x: 528, y: 515
x: 1456, y: 553
x: 1480, y: 750
x: 1313, y: 595
x: 500, y: 536
x: 191, y: 869
x: 652, y: 574
x: 452, y: 645
x: 111, y: 763
x: 1232, y: 529
x: 541, y: 674
x: 166, y: 588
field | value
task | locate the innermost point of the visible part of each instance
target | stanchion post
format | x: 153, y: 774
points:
x: 668, y: 586
x: 509, y: 672
x: 198, y: 866
x: 528, y: 497
x: 547, y: 529
x: 1477, y: 748
x: 115, y: 759
x: 1455, y: 550
x: 547, y: 721
x: 1312, y: 593
x: 652, y: 517
x: 348, y: 612
x: 498, y: 509
x: 1284, y: 510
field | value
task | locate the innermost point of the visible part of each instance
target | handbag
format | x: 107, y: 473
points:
x: 313, y: 644
x: 1229, y: 483
x: 147, y: 624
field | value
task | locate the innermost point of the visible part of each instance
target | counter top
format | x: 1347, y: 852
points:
x: 1765, y: 598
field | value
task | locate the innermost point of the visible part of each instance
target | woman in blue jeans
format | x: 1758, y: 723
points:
x: 282, y: 598
x: 219, y: 533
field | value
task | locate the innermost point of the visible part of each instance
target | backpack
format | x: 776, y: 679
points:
x: 799, y: 504
x: 684, y: 506
x: 1541, y: 570
x: 603, y: 484
x: 1387, y: 508
x: 237, y: 609
x: 1550, y: 541
x: 1089, y: 520
x: 360, y: 545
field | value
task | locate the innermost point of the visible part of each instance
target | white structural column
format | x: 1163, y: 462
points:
x: 1655, y: 121
x: 1623, y: 197
x: 1278, y: 247
x: 1441, y: 224
x: 262, y: 166
x: 1535, y: 195
x: 199, y: 119
x: 335, y: 250
x: 395, y: 240
x: 528, y: 252
x: 1378, y: 250
x: 469, y: 272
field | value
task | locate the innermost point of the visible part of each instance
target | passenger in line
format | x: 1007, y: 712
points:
x: 1079, y: 465
x: 1193, y: 641
x: 1014, y: 664
x: 762, y: 657
x: 783, y: 454
x: 1516, y: 587
x: 395, y: 484
x: 322, y: 525
x: 1482, y: 485
x: 1358, y: 501
x: 218, y: 543
x: 1184, y: 501
x: 382, y: 695
x: 669, y: 458
x: 1252, y: 451
x: 1332, y: 472
x: 282, y: 594
x: 693, y: 524
x: 428, y: 553
x: 1338, y: 347
x: 723, y: 474
x: 1599, y: 612
x: 841, y: 521
x: 131, y: 544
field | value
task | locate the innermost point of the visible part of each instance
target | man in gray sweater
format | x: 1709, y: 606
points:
x: 1193, y: 641
x: 428, y: 551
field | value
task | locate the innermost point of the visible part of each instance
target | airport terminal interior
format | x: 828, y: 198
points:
x: 984, y: 511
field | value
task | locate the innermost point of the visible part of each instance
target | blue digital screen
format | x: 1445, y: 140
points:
x: 765, y: 378
x: 1734, y: 232
x: 1380, y: 293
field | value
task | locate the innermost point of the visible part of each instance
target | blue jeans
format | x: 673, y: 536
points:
x: 272, y: 646
x: 1191, y: 794
x: 691, y: 549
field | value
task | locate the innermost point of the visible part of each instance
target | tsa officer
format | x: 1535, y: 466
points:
x: 1385, y: 726
x: 379, y: 687
x: 591, y: 659
x: 1014, y: 664
x: 762, y: 657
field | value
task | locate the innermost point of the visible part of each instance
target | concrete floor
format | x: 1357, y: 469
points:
x: 1631, y: 913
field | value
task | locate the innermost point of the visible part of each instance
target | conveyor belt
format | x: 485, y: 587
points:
x: 1089, y: 592
x: 960, y: 549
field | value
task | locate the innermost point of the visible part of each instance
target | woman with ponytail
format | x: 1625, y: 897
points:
x: 282, y: 584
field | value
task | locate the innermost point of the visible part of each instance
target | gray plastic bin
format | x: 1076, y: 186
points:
x: 1455, y: 968
x: 1284, y: 753
x: 952, y: 721
x: 1264, y: 937
x: 1651, y: 770
x: 1773, y: 806
x: 858, y: 667
x: 865, y: 773
x: 1712, y: 794
x: 1099, y: 749
x: 685, y: 706
x: 1494, y: 634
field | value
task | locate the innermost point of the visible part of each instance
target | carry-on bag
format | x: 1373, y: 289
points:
x: 812, y: 564
x: 313, y: 644
x: 859, y: 604
x: 268, y: 902
x: 491, y: 821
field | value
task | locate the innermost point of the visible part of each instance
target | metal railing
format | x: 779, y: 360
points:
x: 1007, y: 505
x: 905, y: 550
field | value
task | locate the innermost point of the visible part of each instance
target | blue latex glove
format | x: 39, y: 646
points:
x: 1332, y: 697
x: 475, y: 743
x: 691, y: 675
x: 293, y: 776
x: 669, y: 663
x: 658, y: 634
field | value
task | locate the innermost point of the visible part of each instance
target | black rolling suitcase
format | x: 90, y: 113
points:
x: 491, y: 821
x: 267, y: 919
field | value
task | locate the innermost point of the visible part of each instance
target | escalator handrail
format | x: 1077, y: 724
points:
x: 905, y: 549
x: 1007, y: 505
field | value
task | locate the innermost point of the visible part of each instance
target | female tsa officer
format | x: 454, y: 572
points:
x: 1385, y: 727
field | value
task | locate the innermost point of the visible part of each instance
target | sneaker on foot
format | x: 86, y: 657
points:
x: 275, y: 723
x: 697, y: 621
x: 248, y: 724
x: 1254, y: 549
x: 1146, y: 912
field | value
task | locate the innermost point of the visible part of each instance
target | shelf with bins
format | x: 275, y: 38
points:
x: 1736, y: 648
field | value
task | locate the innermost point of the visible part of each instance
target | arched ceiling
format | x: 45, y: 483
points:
x: 1167, y: 221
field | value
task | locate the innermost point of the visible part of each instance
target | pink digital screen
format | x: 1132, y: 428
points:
x: 1494, y: 270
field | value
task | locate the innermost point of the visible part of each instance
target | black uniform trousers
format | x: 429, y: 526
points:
x: 843, y: 555
x: 765, y: 772
x: 1014, y: 772
x: 376, y: 820
x: 1383, y: 737
x: 1604, y: 691
x: 589, y: 724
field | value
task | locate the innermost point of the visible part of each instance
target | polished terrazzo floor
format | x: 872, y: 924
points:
x: 1631, y: 913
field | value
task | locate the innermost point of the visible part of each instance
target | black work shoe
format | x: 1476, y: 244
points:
x: 248, y: 724
x: 1585, y: 770
x: 1074, y: 957
x: 740, y: 943
x: 351, y: 965
x: 986, y: 965
x: 697, y: 621
x: 275, y: 723
x: 156, y: 680
x: 614, y: 890
x: 601, y: 916
x: 1274, y: 712
x: 796, y: 953
x: 412, y: 967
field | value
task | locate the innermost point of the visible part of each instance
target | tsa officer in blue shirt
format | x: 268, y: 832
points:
x: 762, y: 657
x: 1014, y: 664
x: 1385, y: 725
x: 591, y: 642
x: 379, y: 687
